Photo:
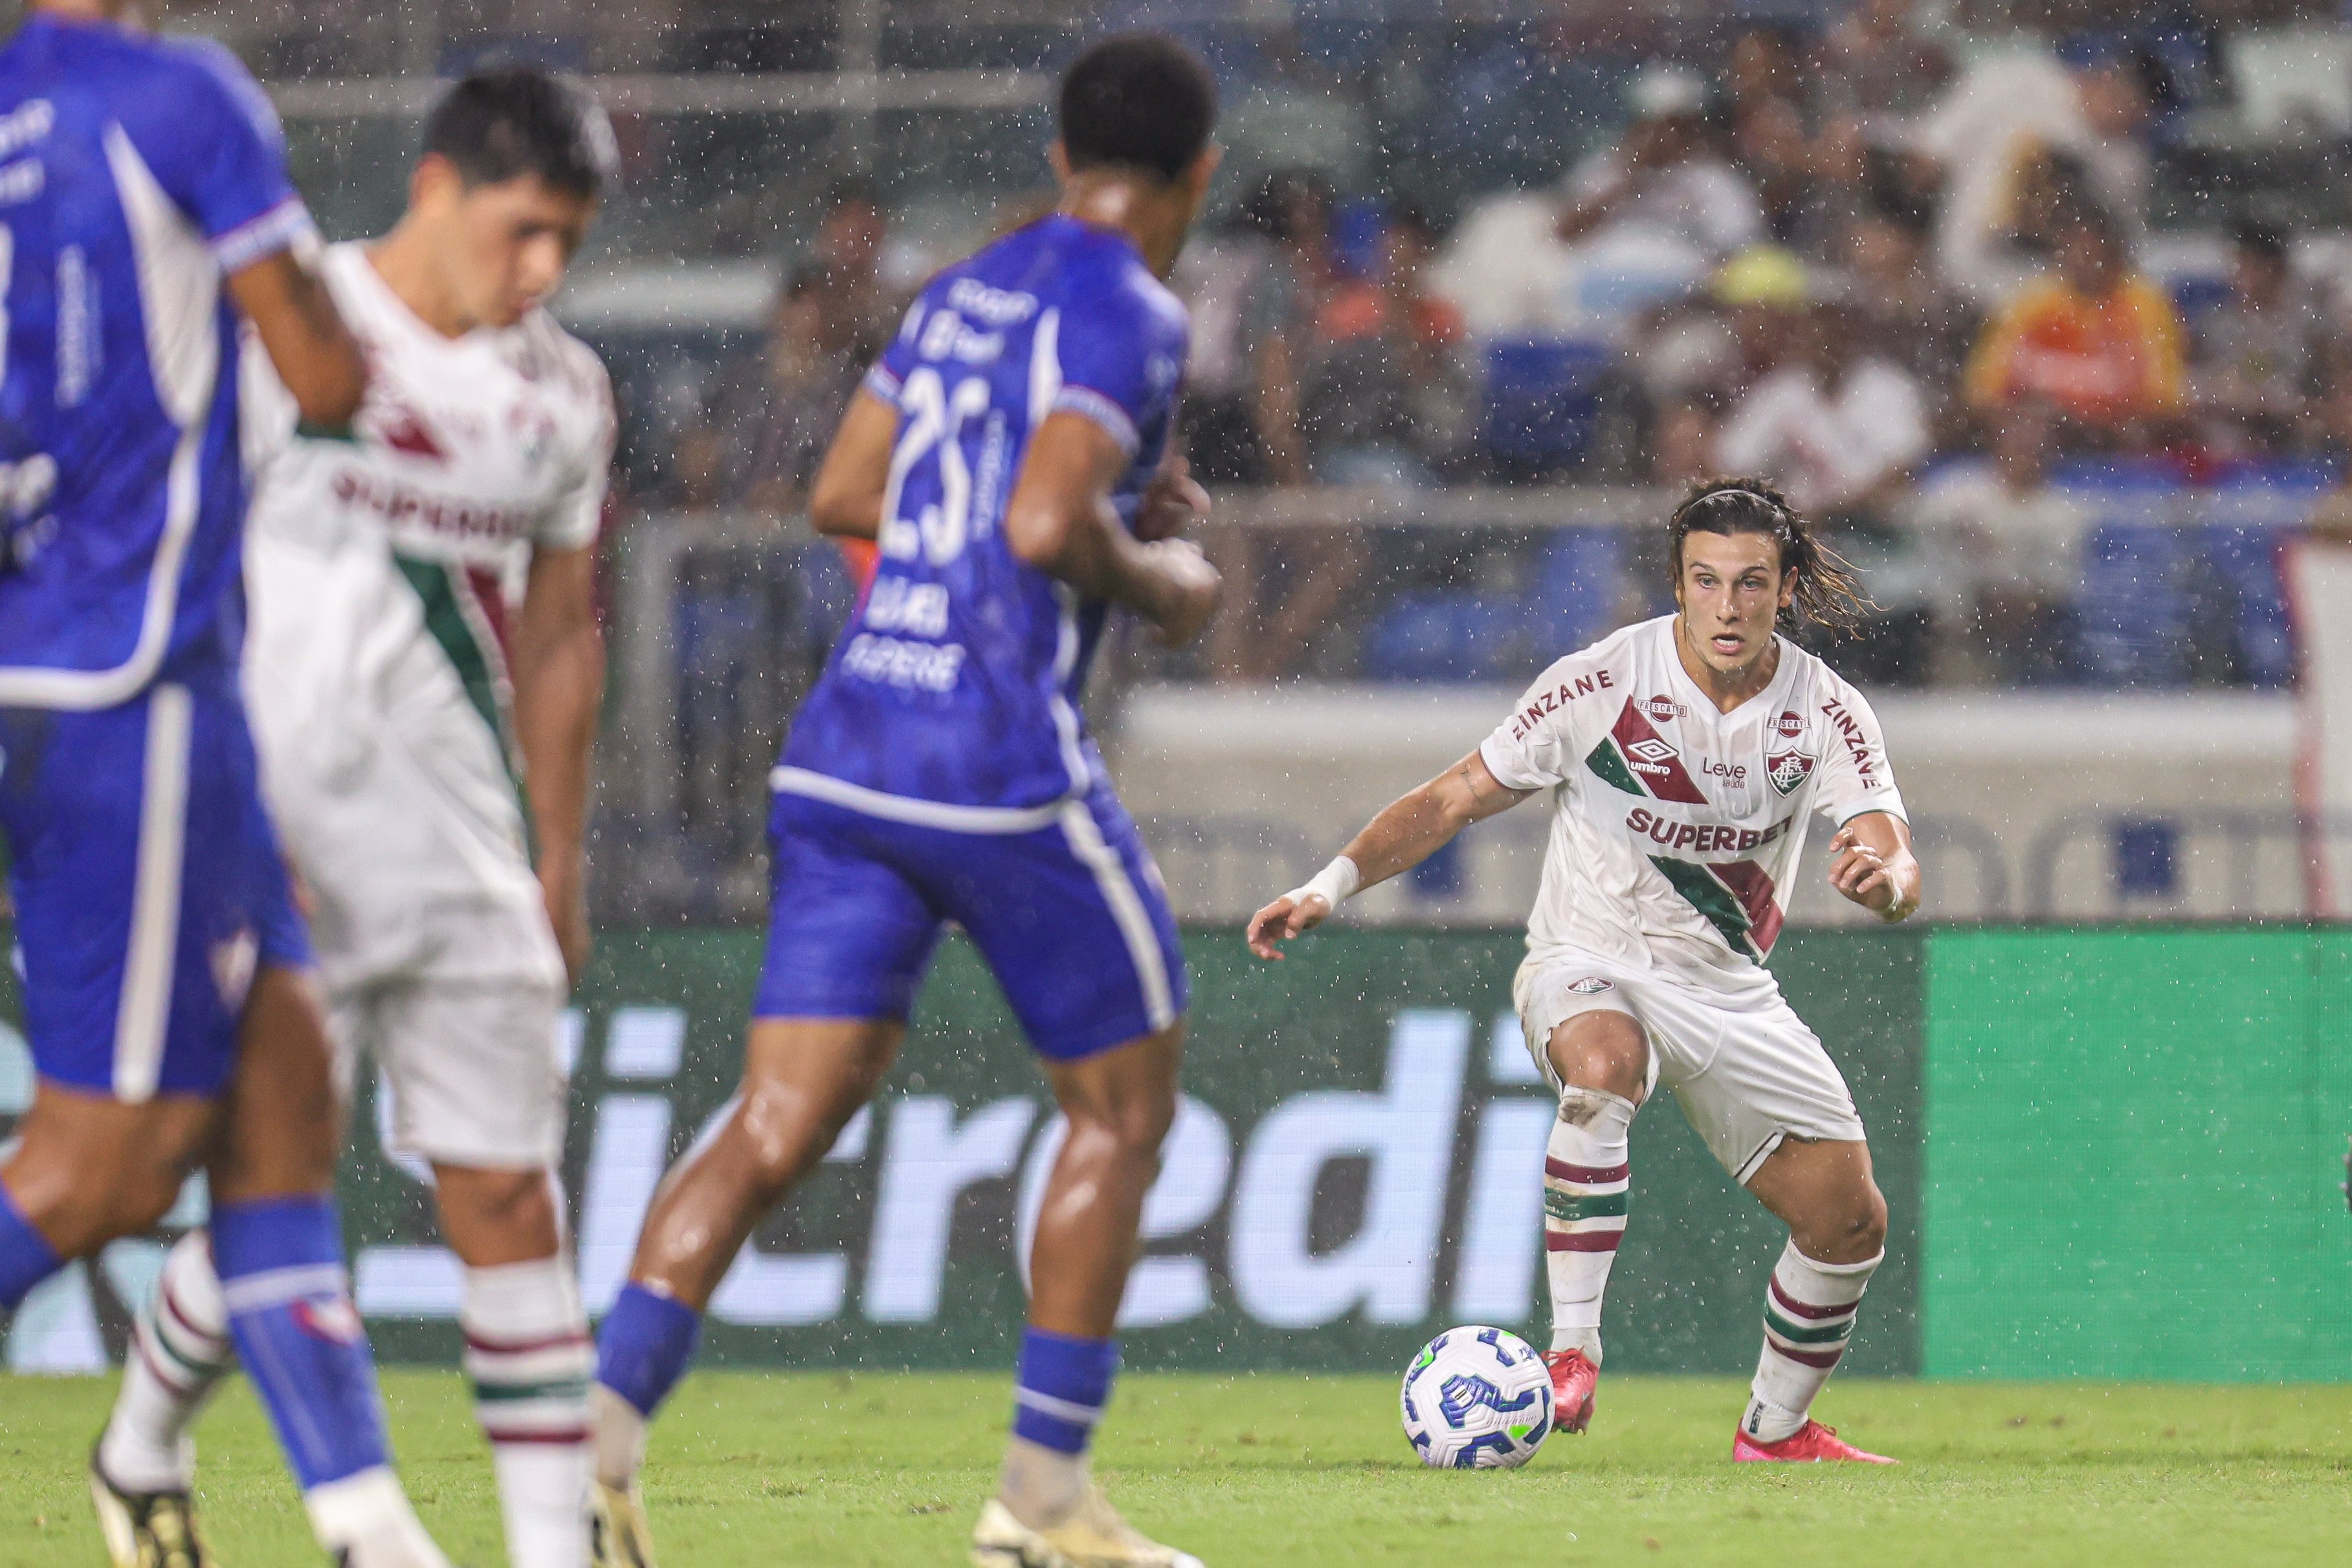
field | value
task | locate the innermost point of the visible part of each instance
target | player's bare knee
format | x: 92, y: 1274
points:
x: 1847, y: 1231
x: 1869, y: 1228
x: 1604, y: 1051
x: 502, y: 1203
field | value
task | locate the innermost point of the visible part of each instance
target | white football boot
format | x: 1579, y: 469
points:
x: 617, y: 1536
x: 1091, y: 1535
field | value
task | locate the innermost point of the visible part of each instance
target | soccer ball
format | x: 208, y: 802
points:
x: 1477, y: 1398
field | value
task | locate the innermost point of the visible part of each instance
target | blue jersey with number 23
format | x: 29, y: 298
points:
x: 956, y: 684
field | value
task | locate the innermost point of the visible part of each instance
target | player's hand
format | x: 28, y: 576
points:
x: 1173, y: 502
x: 1284, y: 918
x: 1861, y: 872
x: 567, y: 911
x: 1191, y: 588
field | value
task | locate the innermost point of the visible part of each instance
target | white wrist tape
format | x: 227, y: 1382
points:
x: 1335, y: 884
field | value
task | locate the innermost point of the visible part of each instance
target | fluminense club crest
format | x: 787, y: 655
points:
x: 1786, y: 770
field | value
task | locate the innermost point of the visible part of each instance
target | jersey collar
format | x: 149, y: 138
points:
x: 1773, y: 689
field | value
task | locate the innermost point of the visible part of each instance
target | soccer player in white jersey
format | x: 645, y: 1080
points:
x: 417, y: 735
x: 1687, y: 757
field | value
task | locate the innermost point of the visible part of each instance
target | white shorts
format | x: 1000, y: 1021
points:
x: 1747, y: 1074
x: 473, y: 1069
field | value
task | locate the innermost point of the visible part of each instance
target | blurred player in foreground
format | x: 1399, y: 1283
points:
x: 1010, y: 452
x: 142, y: 189
x: 1687, y: 757
x: 412, y: 735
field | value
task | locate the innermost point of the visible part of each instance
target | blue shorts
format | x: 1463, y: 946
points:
x: 148, y: 886
x: 1071, y: 916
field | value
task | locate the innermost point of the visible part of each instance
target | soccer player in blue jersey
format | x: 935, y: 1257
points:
x: 1010, y: 452
x: 143, y: 190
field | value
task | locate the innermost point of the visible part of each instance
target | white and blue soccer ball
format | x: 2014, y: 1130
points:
x: 1477, y: 1398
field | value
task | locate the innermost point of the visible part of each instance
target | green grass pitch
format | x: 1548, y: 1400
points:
x: 752, y: 1470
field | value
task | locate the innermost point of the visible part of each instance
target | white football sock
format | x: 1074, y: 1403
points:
x: 530, y: 1358
x: 1586, y: 1181
x: 1809, y: 1313
x: 617, y: 1432
x: 1039, y: 1485
x: 180, y: 1350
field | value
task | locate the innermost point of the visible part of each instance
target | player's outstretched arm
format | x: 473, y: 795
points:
x: 1413, y: 828
x: 559, y: 685
x: 313, y: 350
x: 1060, y: 521
x: 845, y: 501
x: 1871, y: 862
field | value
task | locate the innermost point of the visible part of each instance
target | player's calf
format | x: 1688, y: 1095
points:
x: 89, y: 1169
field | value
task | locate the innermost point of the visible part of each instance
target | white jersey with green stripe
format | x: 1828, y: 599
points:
x: 379, y: 570
x: 1677, y: 826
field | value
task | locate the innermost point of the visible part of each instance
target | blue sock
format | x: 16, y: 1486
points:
x: 647, y: 1342
x: 298, y: 1334
x: 1060, y: 1389
x: 26, y: 1256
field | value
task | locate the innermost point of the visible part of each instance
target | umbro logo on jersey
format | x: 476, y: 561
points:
x: 1661, y: 709
x: 1786, y: 770
x: 1655, y: 750
x: 1591, y: 986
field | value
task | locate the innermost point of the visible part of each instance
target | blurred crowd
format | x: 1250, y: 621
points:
x: 1908, y: 282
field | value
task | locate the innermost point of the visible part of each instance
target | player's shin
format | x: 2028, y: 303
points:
x: 1586, y: 1180
x: 180, y: 1350
x: 1059, y: 1391
x: 529, y: 1357
x: 647, y: 1341
x: 299, y: 1337
x: 1809, y: 1314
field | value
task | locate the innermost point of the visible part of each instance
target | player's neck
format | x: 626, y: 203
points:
x: 1726, y: 689
x: 125, y: 11
x: 404, y: 259
x: 1155, y: 219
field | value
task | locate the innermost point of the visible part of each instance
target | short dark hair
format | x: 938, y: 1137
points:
x: 1827, y: 594
x: 505, y: 123
x: 1139, y: 100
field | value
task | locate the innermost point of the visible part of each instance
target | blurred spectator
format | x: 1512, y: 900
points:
x: 1297, y: 114
x: 1996, y: 134
x: 1900, y: 314
x: 1293, y: 209
x: 1387, y: 398
x: 1807, y: 182
x: 846, y: 252
x: 777, y: 408
x: 2257, y: 361
x: 1835, y: 426
x: 1663, y: 181
x: 1696, y: 357
x: 2017, y: 546
x: 1871, y: 64
x: 1282, y: 589
x: 2097, y: 339
x: 1223, y: 278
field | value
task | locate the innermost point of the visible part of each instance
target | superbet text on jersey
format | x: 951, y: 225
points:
x: 1679, y: 825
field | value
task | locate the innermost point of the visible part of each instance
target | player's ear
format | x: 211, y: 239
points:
x: 1199, y: 171
x: 433, y: 182
x: 1058, y: 156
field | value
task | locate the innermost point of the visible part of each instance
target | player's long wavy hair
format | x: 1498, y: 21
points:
x: 1827, y: 595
